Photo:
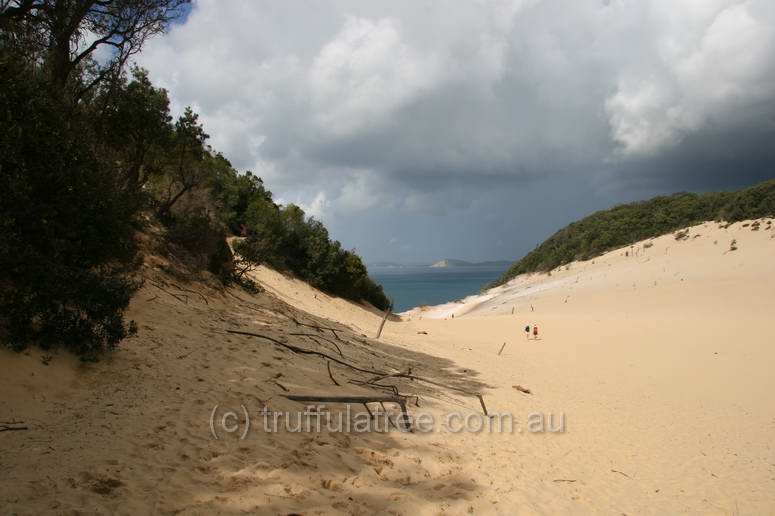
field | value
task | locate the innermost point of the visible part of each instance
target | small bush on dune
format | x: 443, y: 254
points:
x: 204, y: 243
x: 682, y: 235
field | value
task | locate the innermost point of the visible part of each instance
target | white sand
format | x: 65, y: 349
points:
x: 661, y: 363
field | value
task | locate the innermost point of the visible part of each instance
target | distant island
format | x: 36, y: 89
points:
x: 447, y: 262
x: 388, y: 265
x: 462, y: 263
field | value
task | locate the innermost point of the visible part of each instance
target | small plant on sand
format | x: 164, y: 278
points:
x: 733, y: 245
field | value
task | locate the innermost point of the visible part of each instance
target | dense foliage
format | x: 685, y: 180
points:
x: 65, y: 225
x: 629, y: 223
x: 286, y: 239
x: 86, y: 149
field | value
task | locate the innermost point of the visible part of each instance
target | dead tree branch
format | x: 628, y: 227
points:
x: 401, y: 402
x: 382, y: 374
x: 331, y: 375
x: 313, y: 337
x: 182, y: 299
x: 192, y: 292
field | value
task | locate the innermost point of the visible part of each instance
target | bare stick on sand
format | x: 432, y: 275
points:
x: 382, y: 324
x: 10, y: 426
x: 383, y: 374
x: 330, y: 374
x: 363, y: 400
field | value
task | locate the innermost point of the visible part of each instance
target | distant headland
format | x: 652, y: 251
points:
x: 445, y: 263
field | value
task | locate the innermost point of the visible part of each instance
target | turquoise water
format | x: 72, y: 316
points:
x: 414, y: 286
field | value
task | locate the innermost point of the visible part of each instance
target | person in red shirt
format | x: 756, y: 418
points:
x: 535, y: 332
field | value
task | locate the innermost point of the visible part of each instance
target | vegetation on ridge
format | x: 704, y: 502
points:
x: 89, y: 155
x: 629, y: 223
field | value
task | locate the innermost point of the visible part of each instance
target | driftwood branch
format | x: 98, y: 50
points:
x: 11, y: 426
x: 316, y: 326
x: 384, y: 318
x: 314, y: 336
x: 621, y: 473
x: 522, y: 389
x: 303, y: 351
x: 363, y: 400
x: 331, y: 375
x: 391, y: 388
x: 381, y: 374
x: 192, y: 292
x: 183, y: 299
x: 283, y: 387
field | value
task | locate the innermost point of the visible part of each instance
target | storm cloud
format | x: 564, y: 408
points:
x: 420, y: 130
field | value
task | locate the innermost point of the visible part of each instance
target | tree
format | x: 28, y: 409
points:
x: 187, y: 155
x: 137, y: 126
x: 265, y: 234
x: 233, y: 193
x: 84, y: 145
x: 66, y: 228
x: 73, y: 30
x: 295, y: 238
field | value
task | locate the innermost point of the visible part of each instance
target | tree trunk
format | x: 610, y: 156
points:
x: 167, y: 206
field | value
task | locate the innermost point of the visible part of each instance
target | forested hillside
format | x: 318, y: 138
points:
x: 90, y: 157
x: 623, y: 225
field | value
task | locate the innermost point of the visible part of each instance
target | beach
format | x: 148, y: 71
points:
x: 652, y: 368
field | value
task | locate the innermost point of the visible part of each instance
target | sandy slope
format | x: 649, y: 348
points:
x: 131, y: 434
x: 661, y: 362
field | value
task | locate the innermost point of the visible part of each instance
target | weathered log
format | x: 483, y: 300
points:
x: 12, y: 426
x: 362, y: 400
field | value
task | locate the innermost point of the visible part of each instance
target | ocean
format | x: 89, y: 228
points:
x: 415, y: 286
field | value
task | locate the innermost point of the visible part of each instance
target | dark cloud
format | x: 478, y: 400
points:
x: 423, y: 129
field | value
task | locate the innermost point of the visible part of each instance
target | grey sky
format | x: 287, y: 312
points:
x: 421, y: 130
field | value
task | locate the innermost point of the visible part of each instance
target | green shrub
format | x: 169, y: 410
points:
x: 285, y: 238
x: 66, y: 229
x: 204, y: 242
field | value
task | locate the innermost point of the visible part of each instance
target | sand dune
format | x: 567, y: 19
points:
x: 659, y: 356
